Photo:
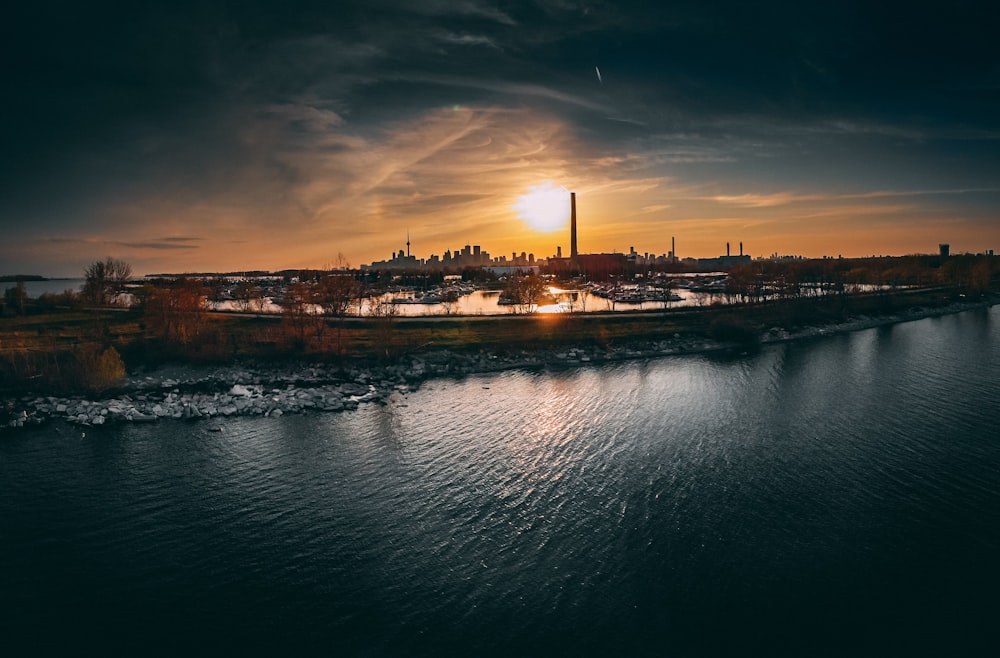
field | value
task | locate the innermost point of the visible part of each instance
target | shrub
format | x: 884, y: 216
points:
x: 733, y: 329
x: 96, y: 371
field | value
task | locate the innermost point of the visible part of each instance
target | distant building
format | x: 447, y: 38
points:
x: 724, y: 262
x: 600, y: 266
x: 945, y: 249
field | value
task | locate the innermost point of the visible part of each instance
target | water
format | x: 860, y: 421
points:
x: 834, y: 497
x: 35, y: 289
x: 486, y: 302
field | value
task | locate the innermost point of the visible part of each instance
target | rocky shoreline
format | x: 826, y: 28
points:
x: 206, y: 393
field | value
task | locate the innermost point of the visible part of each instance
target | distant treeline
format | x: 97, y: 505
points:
x: 7, y: 278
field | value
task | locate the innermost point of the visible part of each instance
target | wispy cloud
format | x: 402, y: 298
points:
x: 465, y: 39
x: 789, y: 198
x: 159, y: 244
x: 467, y: 8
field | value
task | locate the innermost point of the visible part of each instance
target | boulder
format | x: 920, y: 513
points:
x: 240, y: 390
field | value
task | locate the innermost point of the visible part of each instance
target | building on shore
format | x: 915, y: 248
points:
x: 724, y: 262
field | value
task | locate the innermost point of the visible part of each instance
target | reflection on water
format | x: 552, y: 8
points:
x: 486, y: 302
x: 834, y: 497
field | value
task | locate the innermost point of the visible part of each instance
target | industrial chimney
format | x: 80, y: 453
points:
x: 741, y: 247
x: 727, y: 250
x: 572, y: 226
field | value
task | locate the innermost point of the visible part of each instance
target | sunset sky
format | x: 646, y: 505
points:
x: 210, y: 136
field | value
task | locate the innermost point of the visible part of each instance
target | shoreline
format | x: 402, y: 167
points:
x: 213, y: 393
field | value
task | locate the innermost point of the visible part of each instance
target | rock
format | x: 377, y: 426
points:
x: 350, y: 388
x: 239, y: 389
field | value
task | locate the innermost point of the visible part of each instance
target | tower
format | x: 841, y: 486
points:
x: 572, y: 226
x: 407, y: 243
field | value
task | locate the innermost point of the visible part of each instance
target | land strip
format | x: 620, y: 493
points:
x: 266, y: 378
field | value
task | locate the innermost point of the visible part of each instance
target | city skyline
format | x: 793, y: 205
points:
x: 205, y: 138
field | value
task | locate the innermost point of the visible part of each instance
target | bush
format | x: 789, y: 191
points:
x: 733, y: 329
x: 96, y: 371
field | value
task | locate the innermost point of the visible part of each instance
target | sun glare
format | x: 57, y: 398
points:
x: 545, y: 207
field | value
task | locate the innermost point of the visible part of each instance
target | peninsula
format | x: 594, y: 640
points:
x: 93, y: 366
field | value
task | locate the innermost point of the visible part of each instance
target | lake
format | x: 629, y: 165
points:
x: 837, y: 496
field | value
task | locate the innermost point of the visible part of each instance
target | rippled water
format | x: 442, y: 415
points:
x: 834, y: 497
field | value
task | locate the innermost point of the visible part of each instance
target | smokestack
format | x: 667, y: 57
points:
x: 673, y: 248
x: 727, y: 250
x: 741, y: 247
x: 572, y: 226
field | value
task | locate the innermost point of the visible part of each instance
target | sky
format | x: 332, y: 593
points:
x: 221, y: 136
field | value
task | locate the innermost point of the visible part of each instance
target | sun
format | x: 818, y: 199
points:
x: 545, y: 207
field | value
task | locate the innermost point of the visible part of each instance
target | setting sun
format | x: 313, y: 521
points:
x: 545, y: 207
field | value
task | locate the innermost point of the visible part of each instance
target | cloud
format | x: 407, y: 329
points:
x: 463, y: 8
x: 159, y: 244
x: 789, y: 198
x: 466, y: 39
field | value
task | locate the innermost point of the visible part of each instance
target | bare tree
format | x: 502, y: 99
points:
x: 16, y: 297
x: 525, y: 292
x: 247, y: 295
x: 338, y: 294
x: 383, y: 312
x: 177, y: 312
x: 295, y: 313
x: 449, y: 301
x: 103, y: 280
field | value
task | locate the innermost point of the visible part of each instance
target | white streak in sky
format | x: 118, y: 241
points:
x: 599, y: 78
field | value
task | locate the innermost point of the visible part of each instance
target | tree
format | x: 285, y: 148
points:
x: 247, y: 295
x: 296, y: 310
x: 16, y: 298
x: 525, y: 292
x: 177, y: 312
x: 449, y: 301
x: 337, y: 295
x: 383, y: 312
x: 103, y: 280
